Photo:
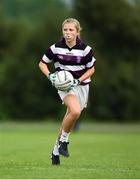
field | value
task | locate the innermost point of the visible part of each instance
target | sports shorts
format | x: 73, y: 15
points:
x: 81, y: 92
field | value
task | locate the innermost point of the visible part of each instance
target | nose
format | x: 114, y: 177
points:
x: 67, y: 32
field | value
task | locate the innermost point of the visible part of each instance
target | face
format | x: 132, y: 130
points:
x: 70, y: 32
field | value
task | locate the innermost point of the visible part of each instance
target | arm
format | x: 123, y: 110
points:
x: 87, y: 74
x: 44, y: 68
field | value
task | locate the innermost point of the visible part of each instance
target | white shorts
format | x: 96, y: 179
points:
x: 81, y: 92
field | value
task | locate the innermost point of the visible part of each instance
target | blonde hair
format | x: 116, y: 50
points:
x: 75, y: 21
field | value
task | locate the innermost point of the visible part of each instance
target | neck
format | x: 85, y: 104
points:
x: 70, y: 44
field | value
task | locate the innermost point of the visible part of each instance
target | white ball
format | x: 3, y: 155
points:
x: 62, y: 76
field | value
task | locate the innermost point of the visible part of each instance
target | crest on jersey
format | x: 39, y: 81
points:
x: 60, y: 56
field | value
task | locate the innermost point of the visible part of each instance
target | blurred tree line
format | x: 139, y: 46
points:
x: 27, y: 28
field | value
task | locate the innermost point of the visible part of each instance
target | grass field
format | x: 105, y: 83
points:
x: 97, y: 151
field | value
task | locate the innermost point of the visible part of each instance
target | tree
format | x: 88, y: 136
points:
x: 113, y: 30
x: 26, y: 31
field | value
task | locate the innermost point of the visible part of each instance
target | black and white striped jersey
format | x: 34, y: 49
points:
x: 76, y: 60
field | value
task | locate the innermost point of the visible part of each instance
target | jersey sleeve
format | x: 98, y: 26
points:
x: 89, y: 58
x: 48, y: 56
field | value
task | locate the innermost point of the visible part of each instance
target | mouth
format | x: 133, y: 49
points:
x: 68, y: 37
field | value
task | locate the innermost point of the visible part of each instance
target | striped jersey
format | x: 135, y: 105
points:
x: 77, y: 60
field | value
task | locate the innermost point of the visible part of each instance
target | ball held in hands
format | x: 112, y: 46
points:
x: 62, y: 80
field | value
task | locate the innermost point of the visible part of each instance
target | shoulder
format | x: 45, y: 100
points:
x: 57, y: 45
x: 83, y: 46
x: 86, y: 48
x: 60, y: 44
x: 54, y: 47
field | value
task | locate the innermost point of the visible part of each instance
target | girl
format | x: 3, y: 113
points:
x: 73, y: 55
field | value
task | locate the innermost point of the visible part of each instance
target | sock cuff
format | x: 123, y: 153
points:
x: 64, y: 136
x: 65, y: 133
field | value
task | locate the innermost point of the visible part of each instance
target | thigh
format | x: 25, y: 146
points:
x: 72, y: 103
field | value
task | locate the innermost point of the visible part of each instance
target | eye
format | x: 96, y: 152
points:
x: 64, y: 29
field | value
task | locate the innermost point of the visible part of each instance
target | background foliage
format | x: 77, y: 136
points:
x: 27, y: 28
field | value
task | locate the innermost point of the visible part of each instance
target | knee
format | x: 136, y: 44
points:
x: 75, y: 113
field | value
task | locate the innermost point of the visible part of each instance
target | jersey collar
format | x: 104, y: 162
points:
x: 78, y: 41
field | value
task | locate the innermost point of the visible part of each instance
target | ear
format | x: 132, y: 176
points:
x: 78, y: 34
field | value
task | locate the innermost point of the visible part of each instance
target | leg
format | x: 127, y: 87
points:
x: 60, y: 130
x: 72, y: 114
x: 55, y: 152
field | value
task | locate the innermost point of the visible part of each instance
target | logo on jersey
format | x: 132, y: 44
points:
x: 78, y: 59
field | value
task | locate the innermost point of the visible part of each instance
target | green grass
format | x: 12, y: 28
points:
x: 106, y: 151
